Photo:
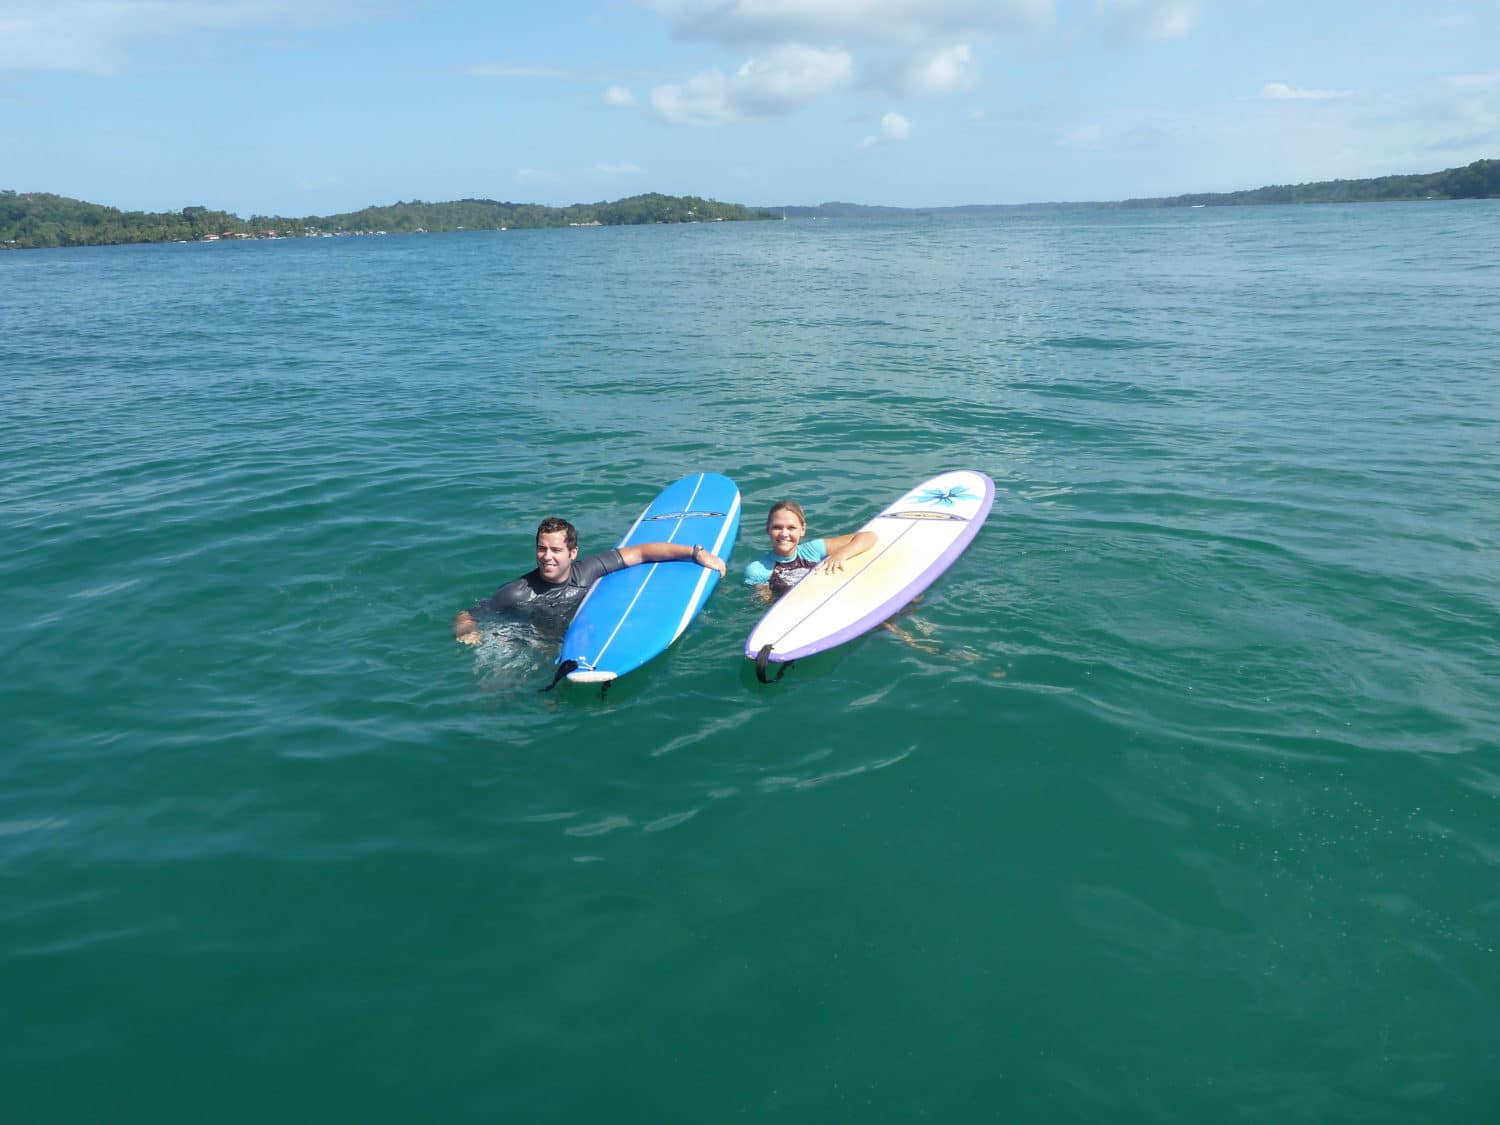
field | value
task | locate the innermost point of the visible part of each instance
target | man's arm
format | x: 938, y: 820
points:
x: 511, y: 597
x: 466, y: 629
x: 670, y: 552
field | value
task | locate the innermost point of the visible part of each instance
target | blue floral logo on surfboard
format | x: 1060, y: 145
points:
x: 946, y: 497
x: 943, y: 499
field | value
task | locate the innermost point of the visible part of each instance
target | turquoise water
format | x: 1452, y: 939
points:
x: 1186, y: 809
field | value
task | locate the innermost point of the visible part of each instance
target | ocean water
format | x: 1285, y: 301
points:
x: 1178, y: 802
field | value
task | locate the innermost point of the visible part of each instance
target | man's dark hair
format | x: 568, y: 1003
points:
x: 553, y: 523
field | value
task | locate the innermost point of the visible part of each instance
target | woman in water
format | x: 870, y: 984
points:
x: 790, y: 558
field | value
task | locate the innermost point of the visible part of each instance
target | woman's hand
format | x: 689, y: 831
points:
x: 842, y: 548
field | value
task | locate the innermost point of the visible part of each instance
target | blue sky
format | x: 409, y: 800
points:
x: 302, y: 107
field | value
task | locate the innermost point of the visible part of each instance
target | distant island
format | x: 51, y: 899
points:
x: 35, y: 219
x: 1479, y: 180
x: 32, y: 219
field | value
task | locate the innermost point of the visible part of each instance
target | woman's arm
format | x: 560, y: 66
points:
x: 842, y: 548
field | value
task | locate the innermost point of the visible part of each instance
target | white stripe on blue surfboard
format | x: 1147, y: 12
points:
x: 716, y: 548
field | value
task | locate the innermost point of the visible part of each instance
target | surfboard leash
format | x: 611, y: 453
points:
x: 762, y: 658
x: 562, y: 670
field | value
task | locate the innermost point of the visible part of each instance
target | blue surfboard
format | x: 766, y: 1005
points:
x: 636, y: 613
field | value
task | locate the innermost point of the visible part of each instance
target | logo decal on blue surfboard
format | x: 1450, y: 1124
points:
x: 686, y: 516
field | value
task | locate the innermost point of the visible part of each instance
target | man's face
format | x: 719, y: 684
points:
x: 554, y: 559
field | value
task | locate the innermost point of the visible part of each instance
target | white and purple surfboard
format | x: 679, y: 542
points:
x: 917, y: 538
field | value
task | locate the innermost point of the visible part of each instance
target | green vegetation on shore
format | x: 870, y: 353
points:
x: 37, y: 219
x: 487, y: 214
x: 34, y: 219
x: 1479, y: 180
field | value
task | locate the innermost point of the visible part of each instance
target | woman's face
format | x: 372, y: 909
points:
x: 786, y: 531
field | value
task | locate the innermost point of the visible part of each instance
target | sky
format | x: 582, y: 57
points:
x: 313, y: 107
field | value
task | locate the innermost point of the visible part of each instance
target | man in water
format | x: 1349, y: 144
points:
x: 556, y: 587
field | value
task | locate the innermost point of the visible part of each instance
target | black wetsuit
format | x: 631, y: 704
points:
x: 529, y: 598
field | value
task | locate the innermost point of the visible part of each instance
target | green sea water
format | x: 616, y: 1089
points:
x: 1184, y: 807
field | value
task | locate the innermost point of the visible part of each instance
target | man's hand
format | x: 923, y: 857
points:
x: 466, y: 629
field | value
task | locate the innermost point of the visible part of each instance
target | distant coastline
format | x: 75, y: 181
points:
x: 35, y: 220
x: 1479, y: 180
x: 32, y: 220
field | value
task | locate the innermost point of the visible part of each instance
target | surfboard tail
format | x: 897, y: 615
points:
x: 590, y: 676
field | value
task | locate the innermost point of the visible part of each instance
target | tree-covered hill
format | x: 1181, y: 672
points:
x: 29, y: 219
x: 34, y: 219
x: 1479, y: 180
x: 488, y: 214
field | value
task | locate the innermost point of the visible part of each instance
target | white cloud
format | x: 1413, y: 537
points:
x: 1254, y: 141
x: 618, y: 169
x: 894, y: 127
x: 904, y: 47
x: 703, y: 99
x: 791, y: 76
x: 758, y: 23
x: 1280, y: 91
x: 1471, y: 111
x: 1150, y: 19
x: 896, y: 48
x: 941, y: 71
x: 1476, y: 82
x: 100, y: 36
x: 619, y: 96
x: 781, y: 80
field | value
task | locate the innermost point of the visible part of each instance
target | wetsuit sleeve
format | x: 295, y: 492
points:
x: 757, y: 573
x: 513, y: 595
x: 591, y: 568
